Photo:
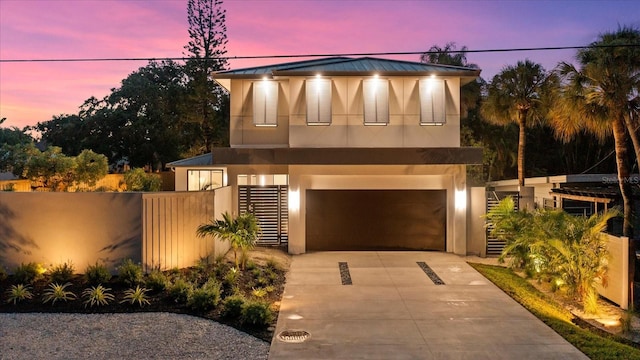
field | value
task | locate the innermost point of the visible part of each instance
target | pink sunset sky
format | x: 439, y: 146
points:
x: 32, y: 92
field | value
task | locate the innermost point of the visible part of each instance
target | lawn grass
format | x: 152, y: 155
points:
x: 555, y: 316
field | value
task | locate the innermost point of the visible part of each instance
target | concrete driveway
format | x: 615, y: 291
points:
x: 396, y: 308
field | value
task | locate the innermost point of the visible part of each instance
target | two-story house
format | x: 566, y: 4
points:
x: 345, y: 154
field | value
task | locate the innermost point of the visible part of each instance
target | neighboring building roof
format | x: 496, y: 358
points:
x: 345, y: 66
x: 604, y: 179
x: 200, y: 160
x: 7, y: 176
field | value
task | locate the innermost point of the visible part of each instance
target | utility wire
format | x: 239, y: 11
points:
x: 467, y: 51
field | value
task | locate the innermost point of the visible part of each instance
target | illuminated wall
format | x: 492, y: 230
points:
x: 53, y: 228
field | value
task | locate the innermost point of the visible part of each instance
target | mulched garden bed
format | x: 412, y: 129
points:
x: 258, y: 275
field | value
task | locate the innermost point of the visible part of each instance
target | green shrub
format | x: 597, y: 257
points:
x: 62, y: 272
x: 97, y: 274
x: 205, y: 297
x: 231, y: 277
x: 250, y: 265
x: 571, y: 250
x: 205, y: 263
x: 18, y: 293
x: 138, y: 180
x: 28, y: 273
x: 179, y: 291
x: 130, y: 273
x: 272, y: 275
x: 157, y: 280
x: 97, y: 295
x: 232, y: 308
x: 272, y: 265
x: 137, y: 295
x: 256, y: 313
x: 259, y: 292
x: 263, y: 280
x: 57, y: 292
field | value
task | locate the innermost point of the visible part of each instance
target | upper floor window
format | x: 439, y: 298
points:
x: 265, y: 103
x: 376, y: 101
x: 432, y: 102
x: 318, y: 101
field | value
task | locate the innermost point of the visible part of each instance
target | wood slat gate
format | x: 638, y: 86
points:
x: 495, y: 246
x: 269, y: 204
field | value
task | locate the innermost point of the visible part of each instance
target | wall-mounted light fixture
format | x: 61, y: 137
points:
x: 294, y: 200
x: 461, y: 199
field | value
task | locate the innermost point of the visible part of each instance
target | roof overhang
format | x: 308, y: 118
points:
x: 345, y: 66
x: 200, y: 160
x: 347, y: 156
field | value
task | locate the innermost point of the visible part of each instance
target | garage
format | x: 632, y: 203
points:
x: 375, y: 220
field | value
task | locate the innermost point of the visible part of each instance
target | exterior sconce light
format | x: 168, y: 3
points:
x: 294, y: 200
x: 461, y: 199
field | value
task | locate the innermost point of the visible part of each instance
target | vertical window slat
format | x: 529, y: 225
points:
x: 318, y: 101
x: 265, y: 103
x: 432, y: 102
x: 376, y: 101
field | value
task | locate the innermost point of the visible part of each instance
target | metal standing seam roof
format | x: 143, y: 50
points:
x: 200, y: 160
x: 348, y: 66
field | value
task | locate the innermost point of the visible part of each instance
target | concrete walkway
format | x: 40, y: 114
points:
x: 394, y: 310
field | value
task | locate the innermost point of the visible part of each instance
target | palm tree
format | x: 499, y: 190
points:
x: 601, y: 97
x: 572, y: 250
x: 248, y: 231
x: 241, y: 232
x: 519, y: 94
x: 579, y: 255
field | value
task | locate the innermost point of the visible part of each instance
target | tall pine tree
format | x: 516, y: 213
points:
x: 206, y: 119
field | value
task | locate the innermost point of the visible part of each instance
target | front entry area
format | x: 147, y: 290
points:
x: 376, y: 220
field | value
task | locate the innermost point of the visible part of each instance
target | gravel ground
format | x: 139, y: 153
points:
x: 119, y: 336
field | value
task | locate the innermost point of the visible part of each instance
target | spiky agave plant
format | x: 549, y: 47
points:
x: 97, y: 295
x: 57, y: 292
x: 18, y: 293
x: 137, y: 295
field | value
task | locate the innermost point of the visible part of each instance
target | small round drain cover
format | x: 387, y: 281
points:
x: 293, y: 336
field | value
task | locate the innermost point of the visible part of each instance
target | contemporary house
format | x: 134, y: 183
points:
x: 345, y: 154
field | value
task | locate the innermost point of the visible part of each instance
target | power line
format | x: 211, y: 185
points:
x: 467, y: 51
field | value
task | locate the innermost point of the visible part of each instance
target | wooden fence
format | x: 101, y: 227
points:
x: 170, y: 222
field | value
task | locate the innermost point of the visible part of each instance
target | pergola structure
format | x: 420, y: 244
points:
x: 594, y: 195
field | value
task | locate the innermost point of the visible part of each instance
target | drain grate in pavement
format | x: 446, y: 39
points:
x: 345, y: 275
x: 293, y: 336
x: 430, y: 273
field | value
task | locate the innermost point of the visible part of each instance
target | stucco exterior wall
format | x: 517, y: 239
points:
x: 53, y: 228
x: 617, y: 289
x: 154, y: 229
x: 242, y: 130
x: 347, y: 128
x: 476, y: 233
